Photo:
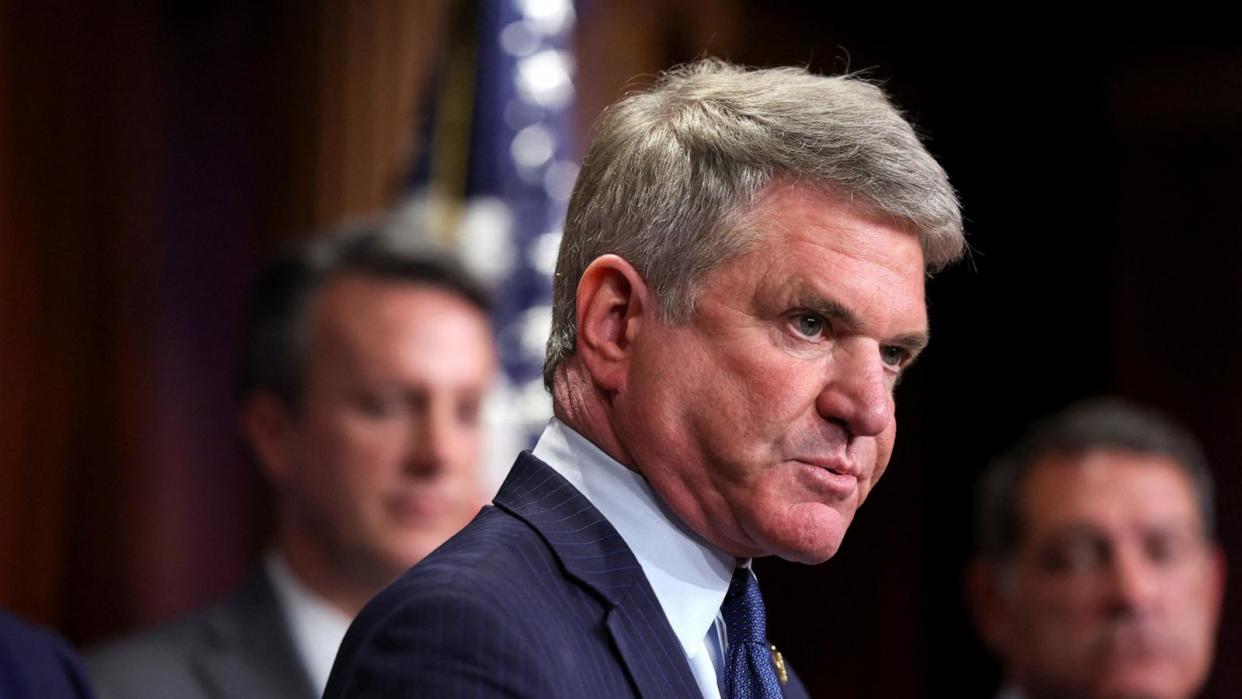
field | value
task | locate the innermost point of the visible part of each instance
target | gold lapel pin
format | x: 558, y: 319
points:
x: 779, y: 661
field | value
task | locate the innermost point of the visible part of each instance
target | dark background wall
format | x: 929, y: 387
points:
x: 152, y: 154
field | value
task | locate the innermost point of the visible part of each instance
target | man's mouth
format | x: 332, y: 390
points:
x: 1132, y: 643
x: 839, y: 477
x: 416, y: 506
x: 838, y: 465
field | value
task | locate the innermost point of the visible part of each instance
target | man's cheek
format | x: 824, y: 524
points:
x: 877, y: 454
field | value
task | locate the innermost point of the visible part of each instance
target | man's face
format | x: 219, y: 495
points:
x: 1115, y: 591
x: 766, y: 418
x: 384, y: 452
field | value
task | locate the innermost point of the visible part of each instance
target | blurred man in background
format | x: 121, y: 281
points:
x: 1097, y: 575
x: 367, y: 365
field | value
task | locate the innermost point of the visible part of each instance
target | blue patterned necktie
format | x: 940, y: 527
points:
x: 748, y: 661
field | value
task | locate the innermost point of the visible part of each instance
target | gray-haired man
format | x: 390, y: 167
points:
x: 739, y: 287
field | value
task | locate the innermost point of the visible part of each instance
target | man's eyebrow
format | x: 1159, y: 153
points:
x: 911, y: 342
x: 832, y: 309
x: 1078, y: 530
x: 1072, y: 532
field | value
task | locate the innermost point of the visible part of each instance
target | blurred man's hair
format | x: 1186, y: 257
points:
x: 1102, y: 424
x: 284, y: 292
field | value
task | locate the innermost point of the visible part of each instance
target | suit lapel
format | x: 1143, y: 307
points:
x: 595, y: 555
x: 247, y: 649
x: 656, y: 661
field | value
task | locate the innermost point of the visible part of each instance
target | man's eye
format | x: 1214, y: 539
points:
x: 1076, y: 556
x: 469, y: 412
x: 894, y: 356
x: 810, y: 325
x: 1168, y: 548
x: 377, y: 406
x: 384, y: 406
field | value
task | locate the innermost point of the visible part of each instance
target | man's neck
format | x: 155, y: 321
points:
x: 578, y: 403
x: 324, y: 576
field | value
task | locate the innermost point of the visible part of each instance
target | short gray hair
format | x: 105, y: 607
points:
x: 671, y: 173
x: 1097, y: 424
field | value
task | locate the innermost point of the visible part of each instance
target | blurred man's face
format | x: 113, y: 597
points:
x: 383, y: 454
x: 1115, y: 591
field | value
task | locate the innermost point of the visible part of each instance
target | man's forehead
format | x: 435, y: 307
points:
x: 357, y: 293
x: 814, y: 213
x: 1106, y: 486
x: 373, y: 315
x: 848, y: 277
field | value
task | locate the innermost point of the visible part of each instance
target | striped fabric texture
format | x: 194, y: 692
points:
x: 537, y: 597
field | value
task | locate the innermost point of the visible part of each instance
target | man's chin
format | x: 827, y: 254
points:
x: 1143, y: 684
x: 812, y: 535
x: 810, y: 558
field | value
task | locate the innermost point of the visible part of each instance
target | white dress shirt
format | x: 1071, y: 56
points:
x: 316, y: 626
x: 689, y: 576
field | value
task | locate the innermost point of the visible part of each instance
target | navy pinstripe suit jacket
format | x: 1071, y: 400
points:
x: 537, y: 597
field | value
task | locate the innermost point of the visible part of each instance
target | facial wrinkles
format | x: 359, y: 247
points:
x: 870, y: 310
x: 744, y: 353
x: 791, y: 429
x: 739, y: 436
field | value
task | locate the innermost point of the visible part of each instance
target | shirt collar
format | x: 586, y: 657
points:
x: 688, y: 575
x: 317, y: 627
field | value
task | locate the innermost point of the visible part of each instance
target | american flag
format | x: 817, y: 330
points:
x: 493, y: 179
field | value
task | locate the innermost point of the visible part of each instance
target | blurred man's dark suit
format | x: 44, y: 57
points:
x: 37, y: 664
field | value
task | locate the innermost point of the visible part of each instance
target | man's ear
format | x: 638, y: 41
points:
x: 1219, y: 575
x: 613, y: 303
x: 267, y: 424
x: 987, y: 603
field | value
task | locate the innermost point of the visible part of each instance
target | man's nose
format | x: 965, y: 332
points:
x: 857, y: 392
x: 431, y: 438
x: 1135, y: 582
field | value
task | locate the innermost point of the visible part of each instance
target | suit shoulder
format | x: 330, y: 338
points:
x: 156, y: 658
x: 35, y: 662
x: 206, y: 626
x: 243, y: 631
x: 472, y: 614
x: 483, y: 566
x: 167, y: 641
